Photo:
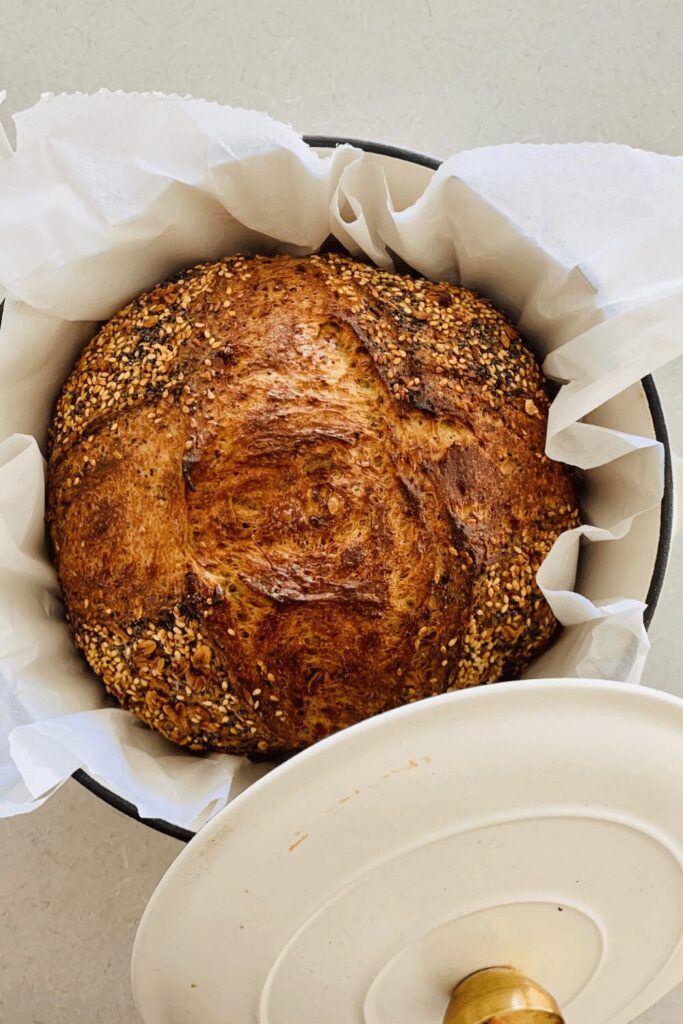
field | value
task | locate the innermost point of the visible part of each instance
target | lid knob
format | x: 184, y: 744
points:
x: 501, y: 995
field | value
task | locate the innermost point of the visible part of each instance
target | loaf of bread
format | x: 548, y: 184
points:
x: 286, y: 494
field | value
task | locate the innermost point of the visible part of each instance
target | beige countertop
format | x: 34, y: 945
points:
x: 433, y: 75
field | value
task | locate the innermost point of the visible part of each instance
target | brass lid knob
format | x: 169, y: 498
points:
x: 501, y: 995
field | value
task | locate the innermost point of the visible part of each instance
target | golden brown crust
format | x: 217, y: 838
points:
x: 289, y: 493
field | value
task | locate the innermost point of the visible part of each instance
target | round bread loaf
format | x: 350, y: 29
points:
x: 286, y: 494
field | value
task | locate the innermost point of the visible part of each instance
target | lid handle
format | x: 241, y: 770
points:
x: 501, y: 995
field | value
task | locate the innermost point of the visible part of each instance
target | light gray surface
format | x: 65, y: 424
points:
x: 437, y: 75
x: 433, y: 75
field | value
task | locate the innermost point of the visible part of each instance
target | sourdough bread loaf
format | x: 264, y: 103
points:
x: 286, y: 494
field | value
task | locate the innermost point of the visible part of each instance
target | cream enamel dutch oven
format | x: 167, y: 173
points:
x: 505, y: 854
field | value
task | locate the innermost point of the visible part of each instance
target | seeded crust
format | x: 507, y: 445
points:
x: 286, y: 494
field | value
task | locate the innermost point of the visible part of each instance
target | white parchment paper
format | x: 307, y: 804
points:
x: 105, y: 195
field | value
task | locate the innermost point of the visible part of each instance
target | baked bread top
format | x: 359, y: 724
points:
x: 286, y: 494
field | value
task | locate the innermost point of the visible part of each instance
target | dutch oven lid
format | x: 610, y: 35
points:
x: 537, y: 825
